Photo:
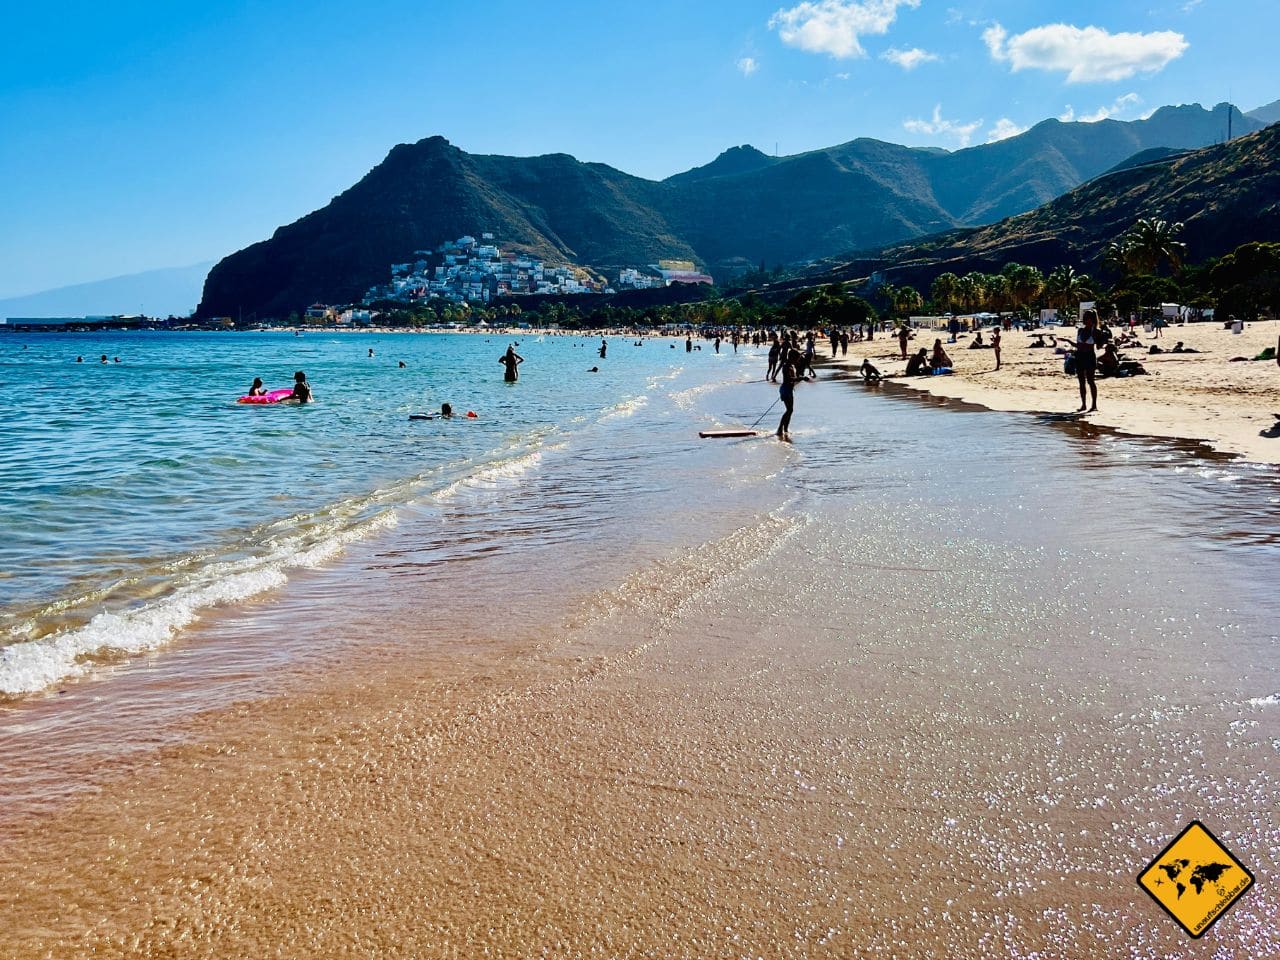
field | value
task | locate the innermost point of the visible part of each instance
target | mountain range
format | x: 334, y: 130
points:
x: 170, y: 291
x: 743, y: 208
x: 1225, y: 195
x: 1269, y: 114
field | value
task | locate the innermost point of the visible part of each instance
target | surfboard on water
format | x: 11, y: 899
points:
x: 726, y: 434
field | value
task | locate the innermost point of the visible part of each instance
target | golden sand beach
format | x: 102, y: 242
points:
x: 1232, y: 407
x: 868, y: 721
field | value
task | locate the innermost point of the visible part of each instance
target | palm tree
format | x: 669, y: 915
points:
x: 1119, y: 256
x: 1025, y: 284
x: 944, y: 291
x: 995, y: 292
x: 1065, y: 288
x: 907, y: 299
x: 1152, y: 242
x: 890, y: 294
x: 970, y: 290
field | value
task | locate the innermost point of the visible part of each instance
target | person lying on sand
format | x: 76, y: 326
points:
x: 1179, y: 348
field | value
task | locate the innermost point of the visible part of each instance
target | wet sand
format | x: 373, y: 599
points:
x: 1232, y: 407
x: 868, y: 721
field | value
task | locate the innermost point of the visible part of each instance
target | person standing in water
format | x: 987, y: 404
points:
x: 688, y: 344
x: 787, y: 392
x: 775, y: 352
x: 511, y: 360
x: 604, y: 347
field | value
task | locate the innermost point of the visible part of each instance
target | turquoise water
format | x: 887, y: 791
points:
x: 134, y: 494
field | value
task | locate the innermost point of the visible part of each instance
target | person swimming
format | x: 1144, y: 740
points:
x: 301, y: 389
x: 257, y: 390
x: 446, y: 413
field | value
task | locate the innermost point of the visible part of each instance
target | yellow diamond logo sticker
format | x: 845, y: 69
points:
x: 1195, y: 879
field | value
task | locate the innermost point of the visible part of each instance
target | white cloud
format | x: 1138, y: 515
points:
x: 1122, y: 104
x: 909, y: 59
x: 1085, y: 54
x: 938, y: 127
x: 748, y: 66
x: 1003, y: 129
x: 835, y: 27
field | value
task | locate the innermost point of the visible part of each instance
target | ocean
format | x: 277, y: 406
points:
x: 135, y: 495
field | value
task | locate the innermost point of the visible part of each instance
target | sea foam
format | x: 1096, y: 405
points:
x: 36, y: 665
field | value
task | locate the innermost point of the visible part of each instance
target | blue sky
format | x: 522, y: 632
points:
x: 136, y: 135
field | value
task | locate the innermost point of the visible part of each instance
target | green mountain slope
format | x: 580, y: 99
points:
x: 743, y: 208
x: 1226, y: 195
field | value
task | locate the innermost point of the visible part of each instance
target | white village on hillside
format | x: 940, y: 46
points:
x: 468, y: 270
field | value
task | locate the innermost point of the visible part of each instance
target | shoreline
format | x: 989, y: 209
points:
x: 735, y: 746
x: 1204, y: 398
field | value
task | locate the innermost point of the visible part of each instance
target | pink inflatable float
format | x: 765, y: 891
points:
x: 271, y: 396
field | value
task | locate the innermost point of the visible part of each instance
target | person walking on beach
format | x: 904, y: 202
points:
x: 1088, y: 339
x: 995, y: 345
x: 511, y: 360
